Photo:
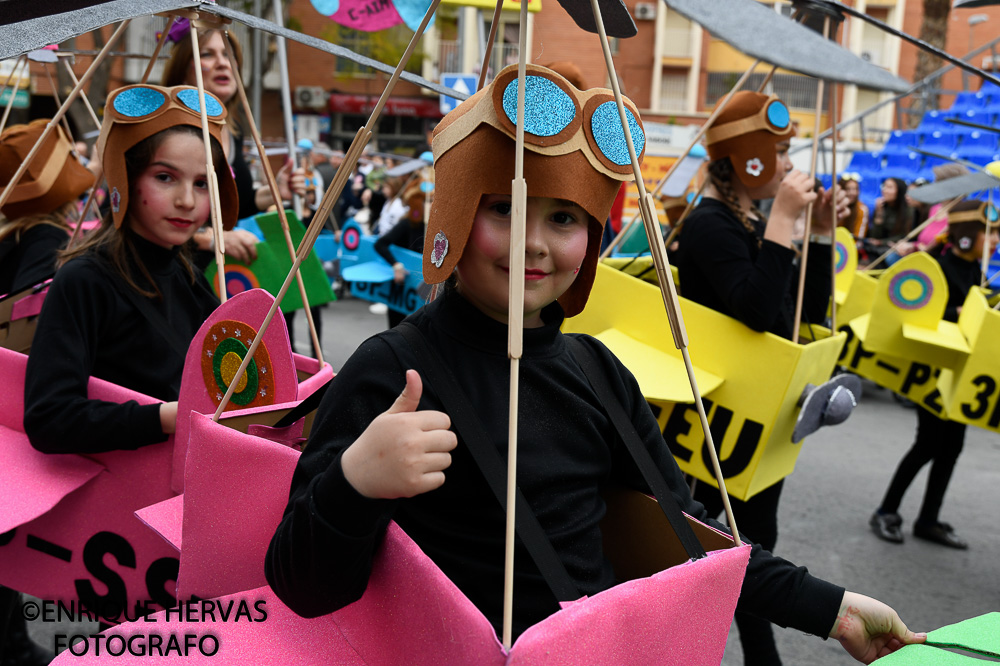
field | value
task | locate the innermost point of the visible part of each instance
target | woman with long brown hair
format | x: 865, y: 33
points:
x: 857, y: 217
x: 220, y: 80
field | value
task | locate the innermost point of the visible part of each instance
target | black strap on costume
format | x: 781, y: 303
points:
x: 464, y: 418
x: 627, y: 432
x: 309, y: 404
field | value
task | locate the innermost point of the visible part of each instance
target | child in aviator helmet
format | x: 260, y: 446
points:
x: 382, y: 446
x: 40, y: 206
x: 126, y: 302
x: 939, y: 441
x: 738, y: 261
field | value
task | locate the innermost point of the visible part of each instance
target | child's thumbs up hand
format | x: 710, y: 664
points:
x: 403, y: 452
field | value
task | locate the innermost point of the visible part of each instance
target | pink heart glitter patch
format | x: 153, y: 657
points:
x: 440, y: 249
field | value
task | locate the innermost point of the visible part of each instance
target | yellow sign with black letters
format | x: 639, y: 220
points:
x: 751, y: 382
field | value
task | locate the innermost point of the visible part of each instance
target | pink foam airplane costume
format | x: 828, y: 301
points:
x: 63, y: 515
x: 235, y: 490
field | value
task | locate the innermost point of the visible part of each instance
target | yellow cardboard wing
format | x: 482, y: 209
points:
x: 845, y: 265
x: 753, y: 407
x: 971, y: 390
x: 859, y: 298
x: 905, y: 319
x: 640, y: 267
x: 661, y: 376
x: 913, y: 379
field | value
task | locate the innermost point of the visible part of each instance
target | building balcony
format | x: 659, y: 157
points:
x: 450, y: 57
x: 677, y: 43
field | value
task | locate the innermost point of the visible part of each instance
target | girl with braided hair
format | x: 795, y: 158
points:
x: 738, y: 261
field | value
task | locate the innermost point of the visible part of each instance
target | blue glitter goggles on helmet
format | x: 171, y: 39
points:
x: 135, y: 113
x: 558, y: 119
x: 773, y: 117
x: 141, y: 103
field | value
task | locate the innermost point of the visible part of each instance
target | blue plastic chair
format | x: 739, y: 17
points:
x: 969, y: 100
x: 932, y: 120
x: 870, y: 187
x: 865, y: 161
x: 910, y: 161
x: 990, y: 89
x: 940, y: 141
x: 981, y: 116
x: 979, y: 141
x: 901, y: 141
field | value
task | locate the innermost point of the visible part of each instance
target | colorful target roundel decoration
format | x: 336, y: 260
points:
x: 223, y: 349
x: 910, y: 290
x: 841, y: 257
x: 352, y: 239
x: 238, y: 279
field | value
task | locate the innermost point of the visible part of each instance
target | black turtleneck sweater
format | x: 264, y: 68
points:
x: 89, y: 327
x: 30, y: 259
x: 961, y: 275
x: 721, y: 266
x: 321, y: 555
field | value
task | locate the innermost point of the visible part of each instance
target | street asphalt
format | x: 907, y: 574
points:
x: 839, y: 479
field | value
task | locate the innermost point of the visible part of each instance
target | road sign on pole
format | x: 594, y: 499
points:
x: 463, y: 83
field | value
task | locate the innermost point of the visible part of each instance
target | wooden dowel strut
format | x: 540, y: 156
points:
x: 62, y: 110
x: 84, y: 98
x: 515, y: 324
x: 272, y: 185
x: 804, y: 261
x: 220, y: 247
x: 159, y: 45
x: 489, y: 46
x: 330, y: 197
x: 13, y: 95
x: 833, y: 208
x: 666, y: 281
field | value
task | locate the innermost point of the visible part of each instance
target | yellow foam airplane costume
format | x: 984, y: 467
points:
x: 752, y: 382
x: 845, y: 266
x: 905, y: 318
x: 951, y: 370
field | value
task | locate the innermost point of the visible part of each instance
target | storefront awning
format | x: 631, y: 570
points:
x: 417, y: 107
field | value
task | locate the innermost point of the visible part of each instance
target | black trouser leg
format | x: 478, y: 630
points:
x: 317, y: 316
x: 947, y: 439
x: 16, y: 646
x: 936, y: 438
x: 757, y: 518
x: 9, y: 600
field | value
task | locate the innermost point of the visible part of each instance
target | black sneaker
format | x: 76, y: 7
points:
x: 887, y: 526
x: 941, y: 533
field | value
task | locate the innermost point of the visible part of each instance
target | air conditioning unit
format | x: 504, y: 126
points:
x: 310, y: 97
x: 645, y: 11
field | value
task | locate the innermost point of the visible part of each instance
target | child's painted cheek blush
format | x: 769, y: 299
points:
x: 489, y: 240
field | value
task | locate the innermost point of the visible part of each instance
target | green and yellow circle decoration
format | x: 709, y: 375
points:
x: 223, y: 350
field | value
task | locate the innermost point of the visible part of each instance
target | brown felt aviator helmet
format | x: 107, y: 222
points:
x: 54, y: 178
x: 747, y: 131
x: 138, y: 112
x: 574, y: 149
x: 966, y: 219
